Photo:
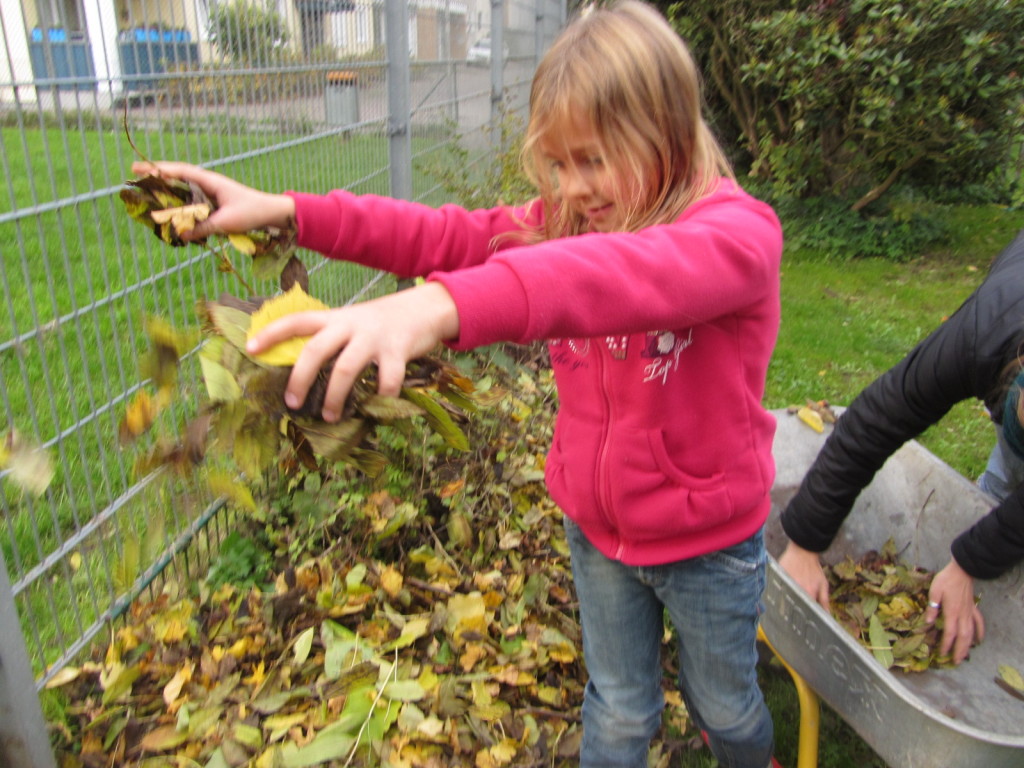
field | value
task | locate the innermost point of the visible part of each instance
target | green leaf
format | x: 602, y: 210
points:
x: 404, y: 690
x: 120, y: 683
x: 221, y: 385
x: 231, y: 323
x: 303, y: 645
x: 438, y: 419
x: 330, y: 744
x: 389, y: 408
x: 271, y: 703
x: 879, y: 640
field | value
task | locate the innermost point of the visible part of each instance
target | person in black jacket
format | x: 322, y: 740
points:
x: 977, y: 353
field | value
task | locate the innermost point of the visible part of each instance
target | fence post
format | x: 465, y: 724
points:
x: 24, y: 742
x: 497, y: 69
x: 399, y: 106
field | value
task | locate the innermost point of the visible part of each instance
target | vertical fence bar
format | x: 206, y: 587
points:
x: 23, y: 739
x: 399, y: 109
x: 497, y: 67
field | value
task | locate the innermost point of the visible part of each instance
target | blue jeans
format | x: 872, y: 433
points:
x: 1004, y: 472
x: 714, y: 602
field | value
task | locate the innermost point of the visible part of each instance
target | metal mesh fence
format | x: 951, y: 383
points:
x: 295, y: 94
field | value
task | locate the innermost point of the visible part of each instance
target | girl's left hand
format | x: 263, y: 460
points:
x: 952, y: 592
x: 389, y: 331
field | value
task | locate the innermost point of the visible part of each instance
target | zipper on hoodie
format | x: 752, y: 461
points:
x: 602, y: 480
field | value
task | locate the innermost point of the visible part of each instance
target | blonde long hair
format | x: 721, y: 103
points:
x: 625, y: 70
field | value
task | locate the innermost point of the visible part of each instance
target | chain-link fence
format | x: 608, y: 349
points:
x: 368, y: 95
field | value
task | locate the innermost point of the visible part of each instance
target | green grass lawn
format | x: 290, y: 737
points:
x: 845, y: 322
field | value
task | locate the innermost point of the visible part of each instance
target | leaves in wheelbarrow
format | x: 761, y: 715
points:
x: 1011, y: 681
x: 881, y: 602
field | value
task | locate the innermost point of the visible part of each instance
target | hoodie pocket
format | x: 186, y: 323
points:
x: 654, y: 497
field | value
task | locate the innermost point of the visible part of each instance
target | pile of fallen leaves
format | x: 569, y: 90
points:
x: 881, y: 602
x: 437, y: 631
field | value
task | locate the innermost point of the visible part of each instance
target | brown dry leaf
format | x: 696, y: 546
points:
x: 163, y: 739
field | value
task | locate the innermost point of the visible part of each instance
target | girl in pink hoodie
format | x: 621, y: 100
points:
x: 655, y: 280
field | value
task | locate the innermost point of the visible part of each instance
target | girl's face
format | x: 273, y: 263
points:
x: 587, y: 183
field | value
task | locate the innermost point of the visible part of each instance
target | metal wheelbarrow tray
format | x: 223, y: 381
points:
x: 934, y: 719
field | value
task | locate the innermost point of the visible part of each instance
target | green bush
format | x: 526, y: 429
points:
x: 900, y: 231
x: 476, y: 182
x: 247, y: 33
x: 848, y: 98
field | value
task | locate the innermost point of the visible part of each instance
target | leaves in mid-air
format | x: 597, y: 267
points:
x: 25, y: 463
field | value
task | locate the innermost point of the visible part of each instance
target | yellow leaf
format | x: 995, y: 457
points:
x: 138, y: 417
x: 174, y: 624
x: 259, y: 674
x: 411, y: 632
x: 1012, y: 676
x: 473, y: 653
x: 391, y: 581
x: 65, y: 676
x: 243, y: 243
x: 221, y: 385
x: 512, y: 675
x: 498, y: 755
x: 229, y: 486
x: 173, y: 688
x: 295, y: 300
x: 183, y: 218
x: 127, y: 567
x: 466, y: 614
x: 811, y: 418
x: 241, y: 647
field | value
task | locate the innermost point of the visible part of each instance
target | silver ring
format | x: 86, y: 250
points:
x: 932, y: 604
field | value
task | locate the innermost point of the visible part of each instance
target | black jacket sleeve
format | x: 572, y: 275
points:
x: 966, y: 357
x: 995, y: 543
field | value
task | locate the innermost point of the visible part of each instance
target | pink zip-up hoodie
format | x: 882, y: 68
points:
x: 659, y: 339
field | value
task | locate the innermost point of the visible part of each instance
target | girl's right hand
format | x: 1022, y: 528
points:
x: 805, y: 568
x: 239, y: 208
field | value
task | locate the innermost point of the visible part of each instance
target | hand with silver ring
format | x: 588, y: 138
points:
x: 963, y: 626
